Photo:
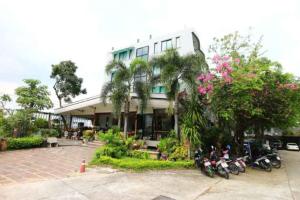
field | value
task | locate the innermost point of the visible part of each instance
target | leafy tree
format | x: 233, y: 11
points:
x: 123, y: 82
x: 33, y: 96
x: 178, y: 72
x: 4, y: 99
x: 250, y: 92
x: 67, y: 83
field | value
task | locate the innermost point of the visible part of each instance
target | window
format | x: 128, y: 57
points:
x: 167, y: 44
x: 156, y: 49
x: 178, y: 44
x: 123, y: 55
x: 115, y: 56
x: 158, y: 89
x: 196, y: 42
x: 142, y: 52
x: 112, y: 76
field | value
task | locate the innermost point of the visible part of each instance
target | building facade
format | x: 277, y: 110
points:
x: 152, y: 122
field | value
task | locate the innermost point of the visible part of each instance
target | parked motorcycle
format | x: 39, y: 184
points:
x: 256, y: 160
x: 203, y: 163
x: 273, y: 156
x: 233, y: 165
x: 219, y: 165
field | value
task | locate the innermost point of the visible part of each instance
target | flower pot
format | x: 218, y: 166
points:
x: 3, y: 144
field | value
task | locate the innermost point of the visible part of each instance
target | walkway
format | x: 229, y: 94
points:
x: 22, y: 166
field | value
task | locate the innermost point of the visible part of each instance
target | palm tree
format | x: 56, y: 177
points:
x: 178, y: 72
x: 123, y: 83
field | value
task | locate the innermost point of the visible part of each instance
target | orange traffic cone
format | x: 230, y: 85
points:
x: 82, y: 167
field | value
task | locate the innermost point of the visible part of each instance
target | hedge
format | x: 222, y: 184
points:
x: 140, y: 164
x: 24, y: 142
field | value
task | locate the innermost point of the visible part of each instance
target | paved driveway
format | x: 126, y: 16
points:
x: 23, y: 166
x: 108, y: 184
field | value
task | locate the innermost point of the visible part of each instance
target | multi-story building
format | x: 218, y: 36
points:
x: 154, y: 121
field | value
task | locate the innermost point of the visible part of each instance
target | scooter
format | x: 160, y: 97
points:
x: 203, y: 163
x: 220, y: 166
x: 233, y: 165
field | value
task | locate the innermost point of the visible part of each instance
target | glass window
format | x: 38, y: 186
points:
x: 178, y: 42
x: 167, y: 44
x: 123, y: 55
x: 162, y: 89
x: 142, y: 52
x: 196, y: 42
x: 158, y: 89
x: 115, y: 56
x: 156, y: 49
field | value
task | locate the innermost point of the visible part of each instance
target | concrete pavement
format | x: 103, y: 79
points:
x: 106, y: 183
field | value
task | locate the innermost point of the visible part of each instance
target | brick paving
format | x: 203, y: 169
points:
x: 21, y: 166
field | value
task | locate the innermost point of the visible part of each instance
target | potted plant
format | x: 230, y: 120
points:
x: 3, y: 144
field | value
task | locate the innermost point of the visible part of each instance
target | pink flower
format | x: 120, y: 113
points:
x: 226, y: 57
x: 226, y: 64
x: 201, y: 90
x: 219, y: 68
x: 228, y: 79
x: 229, y: 69
x: 208, y: 77
x: 237, y: 60
x: 224, y: 74
x: 201, y: 77
x: 216, y: 59
x: 209, y: 88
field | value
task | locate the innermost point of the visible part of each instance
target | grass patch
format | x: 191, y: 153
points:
x: 140, y: 164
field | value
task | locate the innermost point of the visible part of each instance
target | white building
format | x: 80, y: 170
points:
x: 155, y: 121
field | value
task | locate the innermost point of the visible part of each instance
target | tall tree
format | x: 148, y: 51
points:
x: 178, y: 72
x: 124, y: 81
x: 4, y: 99
x: 67, y: 83
x: 33, y: 96
x: 250, y: 91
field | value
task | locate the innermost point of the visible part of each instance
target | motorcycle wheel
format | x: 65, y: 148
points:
x: 223, y: 173
x: 210, y: 173
x: 276, y: 164
x: 268, y: 167
x: 234, y: 169
x: 242, y: 169
x: 226, y: 175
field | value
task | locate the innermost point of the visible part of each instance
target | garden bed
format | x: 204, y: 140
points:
x: 140, y: 164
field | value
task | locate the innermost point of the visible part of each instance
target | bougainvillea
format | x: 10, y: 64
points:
x: 222, y: 72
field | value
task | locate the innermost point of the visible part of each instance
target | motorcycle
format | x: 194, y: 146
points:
x: 203, y: 163
x: 273, y: 156
x: 220, y: 166
x: 233, y: 165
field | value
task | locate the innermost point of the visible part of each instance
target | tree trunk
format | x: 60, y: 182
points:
x: 176, y: 126
x: 119, y: 121
x: 239, y: 139
x: 126, y: 112
x: 64, y: 122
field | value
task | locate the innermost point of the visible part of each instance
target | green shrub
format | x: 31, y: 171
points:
x: 24, y: 142
x: 112, y: 151
x: 167, y: 145
x: 112, y: 138
x: 180, y: 153
x: 140, y: 164
x: 49, y: 132
x: 41, y: 123
x: 139, y: 154
x: 88, y: 134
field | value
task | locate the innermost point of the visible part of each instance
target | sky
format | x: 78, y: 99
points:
x: 34, y: 34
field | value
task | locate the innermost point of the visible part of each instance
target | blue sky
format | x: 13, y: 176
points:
x: 36, y: 34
